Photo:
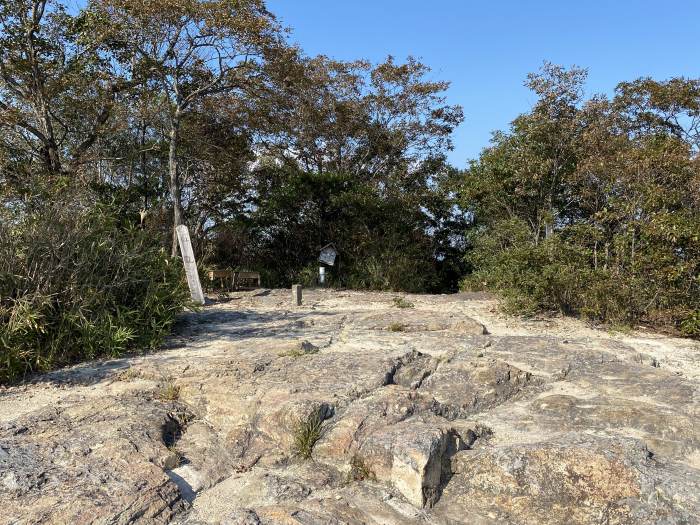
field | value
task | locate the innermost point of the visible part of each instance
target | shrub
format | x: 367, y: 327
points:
x: 77, y: 284
x: 531, y: 277
x: 401, y: 269
x: 307, y: 276
x: 559, y: 274
x: 690, y: 326
x: 592, y: 206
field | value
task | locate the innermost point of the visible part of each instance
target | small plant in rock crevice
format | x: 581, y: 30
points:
x: 305, y: 348
x: 400, y: 302
x: 307, y: 431
x: 175, y: 459
x: 396, y: 327
x: 360, y: 470
x: 169, y: 392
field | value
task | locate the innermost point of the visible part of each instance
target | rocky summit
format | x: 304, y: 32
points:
x: 361, y: 408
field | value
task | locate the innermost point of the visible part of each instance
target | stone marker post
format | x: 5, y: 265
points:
x: 296, y: 295
x: 183, y: 237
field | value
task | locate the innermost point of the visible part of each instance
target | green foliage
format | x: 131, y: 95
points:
x: 690, y: 326
x: 558, y: 275
x: 182, y: 138
x: 307, y: 276
x: 75, y: 284
x: 592, y: 207
x: 584, y: 206
x: 383, y: 239
x: 411, y: 270
x: 549, y: 276
x: 307, y: 431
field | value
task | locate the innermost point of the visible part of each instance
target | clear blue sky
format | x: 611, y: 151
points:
x: 487, y: 48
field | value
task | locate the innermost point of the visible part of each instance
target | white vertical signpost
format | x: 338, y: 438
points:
x: 183, y: 238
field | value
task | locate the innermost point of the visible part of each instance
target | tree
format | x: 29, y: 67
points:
x: 191, y: 50
x: 57, y: 88
x: 359, y: 119
x: 670, y: 107
x: 523, y: 173
x: 593, y: 206
x: 352, y: 154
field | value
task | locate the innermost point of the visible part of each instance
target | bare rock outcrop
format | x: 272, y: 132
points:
x: 349, y: 410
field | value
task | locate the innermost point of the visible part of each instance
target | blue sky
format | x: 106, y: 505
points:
x: 487, y: 48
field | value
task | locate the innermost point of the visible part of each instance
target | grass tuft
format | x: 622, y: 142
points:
x: 175, y: 459
x: 400, y: 302
x: 396, y: 327
x: 169, y: 392
x: 127, y: 375
x: 307, y: 432
x: 305, y: 348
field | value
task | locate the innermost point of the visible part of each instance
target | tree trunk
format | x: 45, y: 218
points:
x: 144, y: 173
x: 595, y: 255
x: 52, y: 159
x: 175, y: 189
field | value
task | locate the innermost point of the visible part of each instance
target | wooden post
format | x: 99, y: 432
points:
x: 296, y: 295
x: 183, y: 237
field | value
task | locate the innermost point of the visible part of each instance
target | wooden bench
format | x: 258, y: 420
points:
x: 235, y: 279
x: 221, y: 275
x: 244, y: 279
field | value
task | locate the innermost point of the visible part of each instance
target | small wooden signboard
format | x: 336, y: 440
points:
x: 328, y: 254
x: 183, y: 237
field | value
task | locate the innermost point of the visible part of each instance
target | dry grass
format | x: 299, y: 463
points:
x: 127, y: 375
x: 175, y: 459
x: 169, y: 392
x: 400, y: 302
x: 360, y: 471
x: 396, y: 327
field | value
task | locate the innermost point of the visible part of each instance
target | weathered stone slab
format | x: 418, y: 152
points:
x: 183, y: 237
x: 431, y: 423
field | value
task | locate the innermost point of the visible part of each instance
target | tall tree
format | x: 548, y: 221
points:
x: 593, y: 206
x: 356, y: 118
x: 522, y: 175
x: 192, y: 49
x: 57, y: 85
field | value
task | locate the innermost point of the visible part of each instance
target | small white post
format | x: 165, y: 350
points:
x: 321, y: 275
x: 183, y: 238
x: 296, y: 295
